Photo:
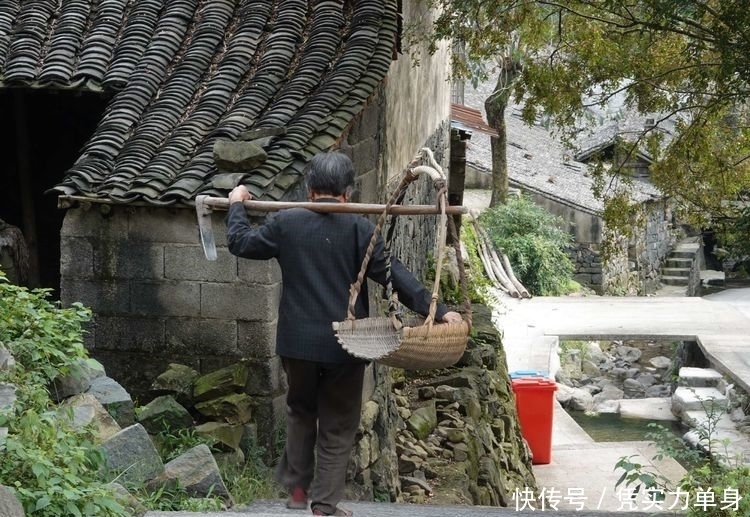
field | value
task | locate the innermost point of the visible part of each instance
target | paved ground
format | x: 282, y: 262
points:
x: 275, y: 509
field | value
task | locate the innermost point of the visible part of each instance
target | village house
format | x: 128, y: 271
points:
x: 559, y: 180
x: 118, y: 113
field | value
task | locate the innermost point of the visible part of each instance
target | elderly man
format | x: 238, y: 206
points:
x: 320, y: 255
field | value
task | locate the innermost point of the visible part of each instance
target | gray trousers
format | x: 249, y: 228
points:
x: 324, y: 404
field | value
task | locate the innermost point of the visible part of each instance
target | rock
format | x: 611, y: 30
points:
x: 10, y: 506
x: 455, y: 435
x: 228, y: 435
x: 408, y: 464
x: 7, y: 361
x: 7, y: 395
x: 235, y: 408
x: 128, y: 500
x: 242, y: 156
x: 423, y: 421
x: 77, y: 380
x: 115, y: 399
x: 633, y: 388
x: 574, y: 398
x: 660, y: 362
x: 446, y: 392
x: 220, y: 382
x: 594, y: 352
x: 590, y: 368
x: 416, y: 481
x: 460, y: 451
x: 658, y: 391
x: 370, y: 410
x: 88, y: 411
x: 609, y: 392
x: 628, y: 353
x: 607, y: 406
x: 177, y: 381
x: 646, y: 380
x: 163, y: 414
x: 130, y: 456
x: 195, y: 471
x: 427, y: 392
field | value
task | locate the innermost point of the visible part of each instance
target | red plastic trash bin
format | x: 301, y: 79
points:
x: 535, y: 403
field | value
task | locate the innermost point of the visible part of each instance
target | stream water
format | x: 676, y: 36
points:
x: 611, y: 427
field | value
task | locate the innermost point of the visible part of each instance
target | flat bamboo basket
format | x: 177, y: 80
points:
x: 417, y: 345
x: 410, y: 343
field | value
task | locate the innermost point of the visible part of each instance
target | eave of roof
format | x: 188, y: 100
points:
x: 189, y: 72
x: 470, y: 118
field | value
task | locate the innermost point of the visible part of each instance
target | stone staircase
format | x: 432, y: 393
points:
x: 681, y: 263
x: 700, y: 402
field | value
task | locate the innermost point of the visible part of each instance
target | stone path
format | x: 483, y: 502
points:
x: 276, y: 509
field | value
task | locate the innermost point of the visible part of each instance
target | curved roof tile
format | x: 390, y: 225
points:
x: 185, y: 73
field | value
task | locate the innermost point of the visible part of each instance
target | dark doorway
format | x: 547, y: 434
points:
x: 41, y: 135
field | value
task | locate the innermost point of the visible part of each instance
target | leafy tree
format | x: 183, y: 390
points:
x: 683, y: 60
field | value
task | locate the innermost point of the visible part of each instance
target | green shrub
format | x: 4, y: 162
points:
x: 535, y: 244
x: 52, y: 467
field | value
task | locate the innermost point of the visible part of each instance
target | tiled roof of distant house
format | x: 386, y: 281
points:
x: 539, y: 162
x: 186, y: 72
x: 602, y: 126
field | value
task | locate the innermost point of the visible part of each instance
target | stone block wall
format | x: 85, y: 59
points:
x: 157, y: 300
x: 635, y: 267
x: 587, y: 263
x: 653, y: 244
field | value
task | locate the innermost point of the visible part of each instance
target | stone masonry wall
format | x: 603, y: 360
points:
x: 653, y: 244
x: 157, y: 300
x: 635, y: 267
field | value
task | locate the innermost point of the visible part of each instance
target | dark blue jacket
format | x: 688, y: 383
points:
x: 320, y: 256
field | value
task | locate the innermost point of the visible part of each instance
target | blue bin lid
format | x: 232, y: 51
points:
x: 518, y: 374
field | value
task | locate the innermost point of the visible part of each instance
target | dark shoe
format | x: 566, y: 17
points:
x: 341, y: 512
x: 298, y: 499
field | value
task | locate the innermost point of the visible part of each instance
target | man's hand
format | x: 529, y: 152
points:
x: 452, y: 317
x: 239, y: 194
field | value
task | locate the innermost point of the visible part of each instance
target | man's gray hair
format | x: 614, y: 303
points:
x: 330, y: 173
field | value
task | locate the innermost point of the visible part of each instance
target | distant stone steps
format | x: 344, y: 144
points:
x: 679, y: 265
x: 675, y: 280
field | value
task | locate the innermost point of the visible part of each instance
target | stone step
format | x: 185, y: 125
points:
x: 683, y: 253
x: 679, y: 262
x: 697, y: 399
x: 651, y: 408
x: 699, y: 377
x: 728, y: 443
x: 674, y: 280
x: 675, y: 271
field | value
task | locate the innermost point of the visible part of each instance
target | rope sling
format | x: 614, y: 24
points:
x: 409, y: 342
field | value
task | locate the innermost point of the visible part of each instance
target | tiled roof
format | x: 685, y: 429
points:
x: 188, y: 72
x: 602, y: 126
x: 538, y: 161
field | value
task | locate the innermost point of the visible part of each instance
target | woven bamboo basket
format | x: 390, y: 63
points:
x: 411, y: 343
x: 417, y: 345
